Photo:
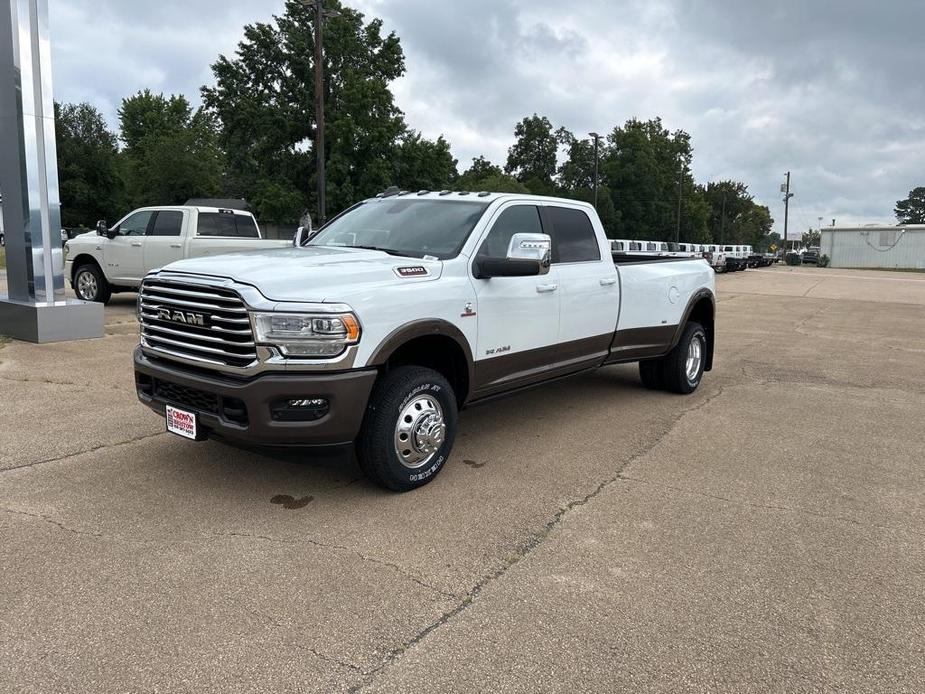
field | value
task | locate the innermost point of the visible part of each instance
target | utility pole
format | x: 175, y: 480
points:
x: 597, y: 139
x: 320, y: 16
x: 722, y: 224
x: 319, y: 107
x: 785, y: 189
x: 680, y: 184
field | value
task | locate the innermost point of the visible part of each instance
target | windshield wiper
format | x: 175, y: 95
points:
x: 390, y: 251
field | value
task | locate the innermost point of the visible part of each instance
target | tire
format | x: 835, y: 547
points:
x: 650, y: 373
x: 675, y: 365
x: 90, y: 284
x: 406, y: 393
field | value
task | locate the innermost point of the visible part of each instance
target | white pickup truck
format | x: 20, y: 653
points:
x: 401, y: 311
x: 116, y: 259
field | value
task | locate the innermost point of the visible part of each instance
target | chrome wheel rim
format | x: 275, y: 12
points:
x: 86, y: 286
x: 694, y: 359
x: 420, y: 431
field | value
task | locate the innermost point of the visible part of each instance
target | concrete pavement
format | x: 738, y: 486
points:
x: 764, y: 534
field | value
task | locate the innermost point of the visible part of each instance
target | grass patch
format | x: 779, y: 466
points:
x: 3, y: 258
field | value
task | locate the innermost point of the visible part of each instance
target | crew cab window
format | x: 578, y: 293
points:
x: 728, y: 249
x: 635, y: 246
x: 617, y: 245
x: 227, y: 224
x: 573, y: 238
x: 520, y: 219
x: 136, y: 224
x: 167, y: 224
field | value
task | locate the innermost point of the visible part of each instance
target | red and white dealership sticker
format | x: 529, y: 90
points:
x: 181, y: 422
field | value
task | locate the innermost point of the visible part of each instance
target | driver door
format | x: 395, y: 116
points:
x: 518, y: 317
x: 124, y: 253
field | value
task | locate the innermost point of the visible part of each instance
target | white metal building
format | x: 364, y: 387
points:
x: 874, y: 245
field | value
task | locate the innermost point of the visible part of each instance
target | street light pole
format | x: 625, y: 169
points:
x: 680, y: 184
x: 787, y: 196
x: 722, y: 223
x: 597, y: 139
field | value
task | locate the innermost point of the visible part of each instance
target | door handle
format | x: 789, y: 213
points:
x: 608, y: 281
x: 136, y: 244
x: 542, y: 288
x: 176, y: 245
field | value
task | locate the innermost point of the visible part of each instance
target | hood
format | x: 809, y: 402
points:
x: 311, y: 273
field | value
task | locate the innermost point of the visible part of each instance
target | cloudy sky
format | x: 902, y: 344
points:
x: 831, y: 90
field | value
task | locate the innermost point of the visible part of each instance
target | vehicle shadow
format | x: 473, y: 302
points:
x: 547, y: 408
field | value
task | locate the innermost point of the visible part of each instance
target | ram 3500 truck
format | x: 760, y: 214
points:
x: 116, y: 259
x: 400, y: 312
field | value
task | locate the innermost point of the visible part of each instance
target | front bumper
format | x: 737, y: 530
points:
x: 241, y: 409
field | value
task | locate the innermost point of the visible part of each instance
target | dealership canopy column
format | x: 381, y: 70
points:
x: 35, y: 309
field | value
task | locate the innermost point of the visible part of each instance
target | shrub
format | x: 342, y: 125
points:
x: 824, y: 261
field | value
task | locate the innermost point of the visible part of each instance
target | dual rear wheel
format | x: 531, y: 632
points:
x: 681, y: 370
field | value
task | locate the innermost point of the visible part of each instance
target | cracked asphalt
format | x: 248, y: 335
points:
x: 766, y: 534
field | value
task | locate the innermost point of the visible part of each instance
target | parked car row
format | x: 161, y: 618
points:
x: 722, y: 258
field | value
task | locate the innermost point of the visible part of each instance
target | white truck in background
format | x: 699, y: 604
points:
x: 116, y: 259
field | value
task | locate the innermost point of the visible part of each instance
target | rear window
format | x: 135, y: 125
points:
x: 227, y: 225
x: 573, y: 236
x: 167, y: 224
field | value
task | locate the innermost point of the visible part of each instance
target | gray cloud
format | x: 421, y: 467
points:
x: 828, y: 90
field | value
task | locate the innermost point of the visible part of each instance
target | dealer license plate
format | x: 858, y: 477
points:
x: 181, y: 422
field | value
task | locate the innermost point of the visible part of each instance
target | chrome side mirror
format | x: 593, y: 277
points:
x: 534, y: 247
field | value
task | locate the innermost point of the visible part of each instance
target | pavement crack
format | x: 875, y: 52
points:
x: 364, y: 557
x: 93, y: 449
x: 528, y: 547
x: 52, y: 521
x: 302, y: 647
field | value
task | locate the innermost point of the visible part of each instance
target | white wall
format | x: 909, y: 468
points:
x: 876, y: 247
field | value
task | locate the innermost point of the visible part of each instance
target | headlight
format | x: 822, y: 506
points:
x: 307, y: 335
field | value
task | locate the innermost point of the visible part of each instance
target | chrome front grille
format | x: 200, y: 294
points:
x: 196, y: 322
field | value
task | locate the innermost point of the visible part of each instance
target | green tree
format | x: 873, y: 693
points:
x: 642, y: 163
x: 735, y: 217
x: 170, y: 151
x: 483, y: 175
x: 912, y: 209
x: 264, y: 99
x: 532, y: 157
x: 423, y: 164
x: 576, y: 178
x: 87, y: 175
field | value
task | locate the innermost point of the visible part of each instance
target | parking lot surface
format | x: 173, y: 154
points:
x: 765, y: 534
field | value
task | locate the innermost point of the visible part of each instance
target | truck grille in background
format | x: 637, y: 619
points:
x: 170, y: 313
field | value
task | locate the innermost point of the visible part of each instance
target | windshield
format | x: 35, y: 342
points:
x: 403, y: 226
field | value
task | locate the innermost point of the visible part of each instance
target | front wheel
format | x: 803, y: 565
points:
x: 91, y: 285
x: 409, y: 428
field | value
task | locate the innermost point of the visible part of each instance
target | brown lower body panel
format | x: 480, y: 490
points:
x: 522, y: 369
x: 633, y: 344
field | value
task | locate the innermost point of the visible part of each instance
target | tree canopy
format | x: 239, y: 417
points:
x: 254, y: 138
x: 912, y: 209
x: 263, y: 99
x: 89, y: 182
x: 170, y: 152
